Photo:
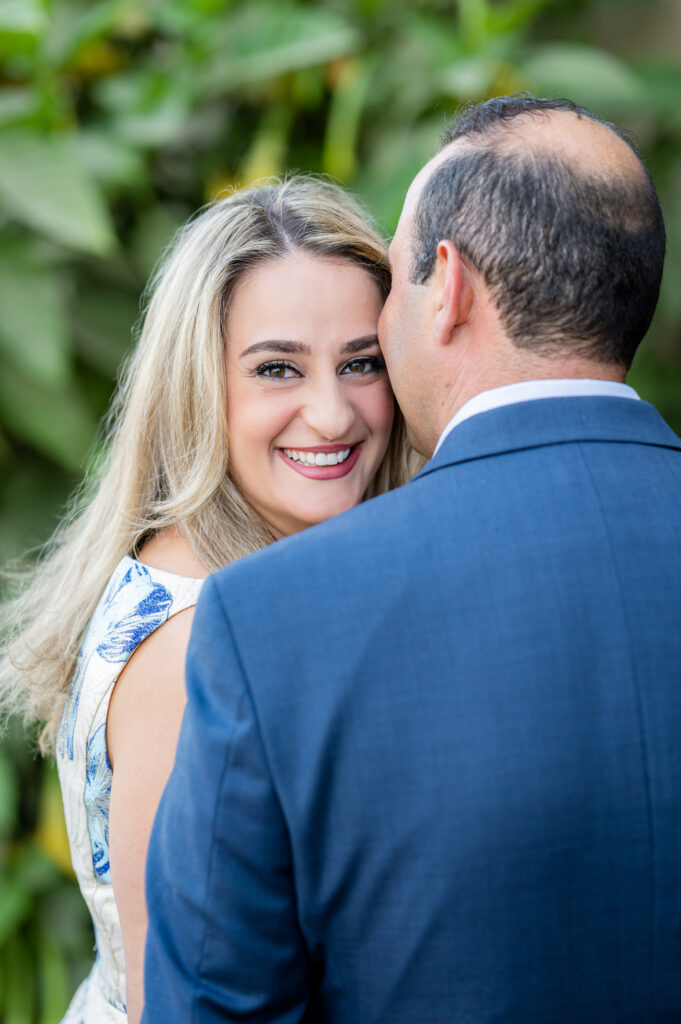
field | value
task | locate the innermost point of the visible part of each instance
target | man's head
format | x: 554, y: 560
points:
x: 531, y: 245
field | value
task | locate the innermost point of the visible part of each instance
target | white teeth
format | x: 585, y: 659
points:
x: 317, y: 458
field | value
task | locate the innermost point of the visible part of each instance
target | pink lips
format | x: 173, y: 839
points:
x: 324, y: 472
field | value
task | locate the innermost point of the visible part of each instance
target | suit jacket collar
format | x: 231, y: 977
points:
x: 552, y: 421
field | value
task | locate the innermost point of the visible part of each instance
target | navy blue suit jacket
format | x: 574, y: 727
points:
x: 430, y: 769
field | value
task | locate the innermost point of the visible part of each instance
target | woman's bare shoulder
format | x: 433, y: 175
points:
x: 170, y: 551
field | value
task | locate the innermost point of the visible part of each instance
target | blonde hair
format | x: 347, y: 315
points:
x: 165, y: 437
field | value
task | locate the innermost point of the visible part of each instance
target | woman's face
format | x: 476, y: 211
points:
x: 309, y: 406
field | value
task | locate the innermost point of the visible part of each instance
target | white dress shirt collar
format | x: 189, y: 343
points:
x: 529, y: 390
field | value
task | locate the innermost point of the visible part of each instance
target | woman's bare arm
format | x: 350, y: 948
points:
x: 143, y: 725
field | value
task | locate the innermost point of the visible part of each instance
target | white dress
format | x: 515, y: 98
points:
x: 137, y: 600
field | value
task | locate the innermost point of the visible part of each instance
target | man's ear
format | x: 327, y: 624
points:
x: 453, y: 292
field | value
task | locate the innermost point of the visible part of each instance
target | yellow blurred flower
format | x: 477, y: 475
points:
x: 98, y: 60
x: 50, y: 834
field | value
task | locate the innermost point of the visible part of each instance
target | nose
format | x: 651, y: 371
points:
x: 328, y: 411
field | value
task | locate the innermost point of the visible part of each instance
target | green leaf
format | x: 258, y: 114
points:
x: 17, y: 106
x: 345, y: 114
x: 22, y: 23
x: 74, y: 26
x: 472, y: 76
x: 5, y: 454
x: 433, y: 42
x: 510, y: 17
x: 186, y: 17
x: 22, y: 16
x: 473, y: 17
x: 53, y: 977
x: 34, y: 871
x: 663, y: 88
x: 112, y: 161
x: 56, y: 422
x: 427, y: 46
x: 19, y: 983
x: 149, y: 109
x: 264, y: 40
x: 155, y: 229
x: 15, y: 905
x: 584, y: 74
x: 103, y: 323
x: 8, y: 794
x: 396, y: 159
x: 43, y: 185
x: 266, y: 156
x: 33, y: 331
x: 33, y: 489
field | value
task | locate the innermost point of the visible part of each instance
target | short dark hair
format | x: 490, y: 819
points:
x: 572, y: 260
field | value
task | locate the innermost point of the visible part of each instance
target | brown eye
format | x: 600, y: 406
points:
x: 364, y: 366
x: 277, y: 371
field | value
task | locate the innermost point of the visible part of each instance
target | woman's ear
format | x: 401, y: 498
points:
x: 453, y: 291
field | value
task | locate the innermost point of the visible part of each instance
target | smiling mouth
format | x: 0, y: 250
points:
x: 328, y: 462
x: 318, y: 458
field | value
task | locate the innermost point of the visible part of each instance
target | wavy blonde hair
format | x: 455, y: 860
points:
x: 165, y: 438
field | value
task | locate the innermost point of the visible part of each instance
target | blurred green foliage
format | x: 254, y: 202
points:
x: 118, y: 118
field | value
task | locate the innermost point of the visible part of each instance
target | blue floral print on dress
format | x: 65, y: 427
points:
x: 132, y: 607
x: 97, y: 798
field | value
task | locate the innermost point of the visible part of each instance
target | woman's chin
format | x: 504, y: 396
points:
x: 314, y: 516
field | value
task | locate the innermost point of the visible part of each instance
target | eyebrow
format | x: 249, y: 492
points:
x: 298, y: 348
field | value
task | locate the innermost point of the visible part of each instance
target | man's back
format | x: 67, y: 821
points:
x: 439, y: 778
